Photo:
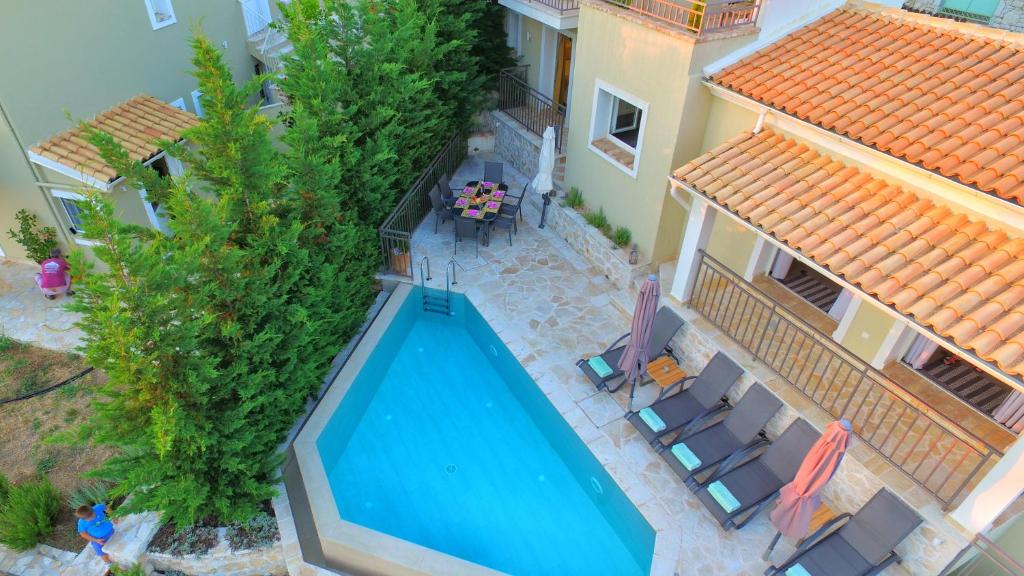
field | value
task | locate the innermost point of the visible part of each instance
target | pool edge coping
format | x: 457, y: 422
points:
x: 360, y: 548
x: 346, y: 544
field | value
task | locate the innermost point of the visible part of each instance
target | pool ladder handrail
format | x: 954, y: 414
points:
x: 433, y: 303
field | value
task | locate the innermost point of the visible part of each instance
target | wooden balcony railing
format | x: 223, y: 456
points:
x: 697, y: 16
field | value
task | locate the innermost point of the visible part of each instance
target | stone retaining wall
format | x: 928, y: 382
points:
x: 928, y: 549
x: 222, y: 561
x: 515, y: 144
x: 593, y: 246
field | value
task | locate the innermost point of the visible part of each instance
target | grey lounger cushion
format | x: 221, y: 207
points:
x: 756, y: 481
x: 705, y: 394
x: 865, y: 542
x: 741, y: 427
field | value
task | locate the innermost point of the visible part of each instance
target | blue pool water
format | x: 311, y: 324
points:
x: 444, y: 440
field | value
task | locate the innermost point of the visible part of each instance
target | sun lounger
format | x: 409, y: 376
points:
x: 742, y: 487
x: 666, y: 324
x: 703, y: 399
x: 694, y: 452
x: 855, y: 545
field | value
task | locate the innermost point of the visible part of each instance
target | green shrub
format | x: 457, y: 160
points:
x: 260, y: 532
x: 5, y: 489
x: 622, y: 236
x: 597, y: 219
x: 26, y: 519
x: 46, y: 463
x: 89, y: 495
x: 136, y: 570
x: 574, y: 199
x: 37, y: 240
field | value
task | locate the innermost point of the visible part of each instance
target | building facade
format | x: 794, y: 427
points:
x: 836, y: 190
x: 79, y: 60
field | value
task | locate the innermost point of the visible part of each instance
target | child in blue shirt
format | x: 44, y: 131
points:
x: 94, y: 526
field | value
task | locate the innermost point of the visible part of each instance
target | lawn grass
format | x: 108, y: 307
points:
x: 24, y: 425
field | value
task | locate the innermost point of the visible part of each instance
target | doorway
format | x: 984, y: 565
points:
x: 563, y: 68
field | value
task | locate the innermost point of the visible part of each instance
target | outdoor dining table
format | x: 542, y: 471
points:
x: 481, y: 201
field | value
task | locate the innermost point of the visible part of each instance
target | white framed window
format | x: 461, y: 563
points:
x: 161, y: 13
x: 196, y: 104
x: 71, y: 207
x: 179, y: 104
x: 617, y: 126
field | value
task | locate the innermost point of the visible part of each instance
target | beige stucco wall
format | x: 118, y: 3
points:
x: 725, y: 120
x: 659, y: 68
x: 731, y: 243
x: 867, y: 331
x: 65, y: 57
x: 531, y: 33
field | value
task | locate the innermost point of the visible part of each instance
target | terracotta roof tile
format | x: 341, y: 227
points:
x: 956, y: 275
x: 136, y: 124
x: 912, y: 86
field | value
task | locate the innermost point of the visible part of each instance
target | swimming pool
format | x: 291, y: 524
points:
x: 444, y: 441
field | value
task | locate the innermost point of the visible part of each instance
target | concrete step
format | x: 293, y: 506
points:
x: 87, y: 563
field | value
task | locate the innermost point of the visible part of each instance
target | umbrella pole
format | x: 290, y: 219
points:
x: 632, y: 392
x: 771, y: 547
x: 544, y: 210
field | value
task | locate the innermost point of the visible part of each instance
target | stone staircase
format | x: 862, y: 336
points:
x: 558, y: 176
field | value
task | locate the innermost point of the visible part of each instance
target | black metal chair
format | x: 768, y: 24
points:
x: 442, y: 211
x: 517, y: 201
x: 510, y: 211
x: 505, y: 222
x: 467, y: 228
x: 493, y: 172
x: 448, y: 192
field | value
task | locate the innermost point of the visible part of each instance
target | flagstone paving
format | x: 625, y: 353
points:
x: 551, y: 308
x: 26, y: 316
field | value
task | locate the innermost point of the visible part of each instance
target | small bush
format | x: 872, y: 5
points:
x: 89, y: 495
x: 26, y: 519
x: 192, y: 540
x: 46, y: 463
x: 597, y: 219
x: 37, y: 240
x: 260, y: 532
x: 136, y: 570
x: 574, y: 199
x: 622, y: 236
x: 5, y: 489
x: 6, y: 343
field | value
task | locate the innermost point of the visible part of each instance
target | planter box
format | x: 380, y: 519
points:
x: 222, y: 561
x: 593, y: 246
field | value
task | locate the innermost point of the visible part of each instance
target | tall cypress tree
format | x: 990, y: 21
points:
x: 201, y: 331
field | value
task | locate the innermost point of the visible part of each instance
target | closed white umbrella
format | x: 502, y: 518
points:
x: 542, y: 183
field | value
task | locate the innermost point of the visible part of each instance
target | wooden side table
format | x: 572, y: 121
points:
x: 665, y: 372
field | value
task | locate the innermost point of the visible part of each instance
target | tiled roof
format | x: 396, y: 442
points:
x: 956, y: 275
x: 940, y: 94
x: 137, y: 124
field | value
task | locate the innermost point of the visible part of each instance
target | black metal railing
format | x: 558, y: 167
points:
x: 529, y: 107
x: 396, y: 231
x: 935, y: 452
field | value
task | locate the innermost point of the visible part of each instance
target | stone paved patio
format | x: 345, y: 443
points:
x: 551, y: 308
x: 26, y: 316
